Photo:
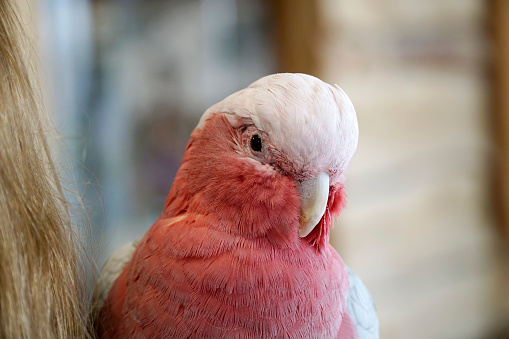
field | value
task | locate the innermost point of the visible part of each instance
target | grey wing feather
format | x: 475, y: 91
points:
x: 109, y: 273
x: 362, y: 308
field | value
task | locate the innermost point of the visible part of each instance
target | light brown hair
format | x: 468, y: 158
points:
x: 41, y: 291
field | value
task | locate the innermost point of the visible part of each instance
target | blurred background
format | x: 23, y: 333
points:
x: 427, y: 220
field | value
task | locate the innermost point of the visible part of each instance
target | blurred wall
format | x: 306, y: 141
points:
x: 419, y: 225
x: 127, y: 83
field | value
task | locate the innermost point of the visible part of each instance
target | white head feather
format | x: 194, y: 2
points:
x: 306, y: 118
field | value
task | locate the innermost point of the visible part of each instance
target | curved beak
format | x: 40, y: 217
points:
x: 314, y: 194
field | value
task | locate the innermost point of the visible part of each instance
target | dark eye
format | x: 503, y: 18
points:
x: 256, y: 143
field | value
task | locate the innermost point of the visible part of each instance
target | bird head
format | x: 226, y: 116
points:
x: 274, y: 151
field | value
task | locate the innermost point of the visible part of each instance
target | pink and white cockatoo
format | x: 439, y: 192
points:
x: 241, y: 249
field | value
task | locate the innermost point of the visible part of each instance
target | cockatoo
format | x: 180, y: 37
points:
x: 241, y: 249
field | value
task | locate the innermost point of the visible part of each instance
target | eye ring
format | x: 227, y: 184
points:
x: 256, y: 143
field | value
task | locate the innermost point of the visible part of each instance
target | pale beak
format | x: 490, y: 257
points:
x: 314, y: 194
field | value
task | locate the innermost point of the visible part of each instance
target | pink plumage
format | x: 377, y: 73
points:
x: 225, y: 258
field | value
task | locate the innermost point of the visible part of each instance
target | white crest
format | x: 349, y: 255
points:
x: 305, y: 117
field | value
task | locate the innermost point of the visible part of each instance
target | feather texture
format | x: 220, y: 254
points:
x: 225, y: 258
x: 109, y: 273
x: 361, y: 308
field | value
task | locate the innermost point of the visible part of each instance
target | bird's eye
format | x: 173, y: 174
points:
x: 256, y: 143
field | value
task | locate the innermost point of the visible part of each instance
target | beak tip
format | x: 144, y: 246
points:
x: 314, y: 196
x: 306, y: 227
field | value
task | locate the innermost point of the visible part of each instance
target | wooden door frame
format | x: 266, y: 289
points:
x: 296, y: 34
x: 499, y: 25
